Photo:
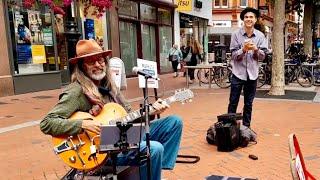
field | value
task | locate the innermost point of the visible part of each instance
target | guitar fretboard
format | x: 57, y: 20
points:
x: 136, y: 114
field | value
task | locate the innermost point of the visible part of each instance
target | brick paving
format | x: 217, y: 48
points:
x: 27, y: 154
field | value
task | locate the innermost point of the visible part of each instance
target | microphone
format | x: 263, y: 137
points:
x: 137, y: 70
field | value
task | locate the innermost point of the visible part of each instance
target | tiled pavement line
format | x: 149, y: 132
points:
x: 19, y: 126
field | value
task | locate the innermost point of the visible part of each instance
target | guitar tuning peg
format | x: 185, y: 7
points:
x: 190, y: 100
x: 182, y: 102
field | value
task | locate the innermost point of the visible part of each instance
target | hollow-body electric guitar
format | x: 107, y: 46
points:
x: 81, y: 151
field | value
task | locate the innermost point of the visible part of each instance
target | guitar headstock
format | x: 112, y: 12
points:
x: 183, y: 95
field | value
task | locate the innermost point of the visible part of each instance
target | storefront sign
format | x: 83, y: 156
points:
x: 184, y: 5
x: 38, y: 54
x: 47, y: 37
x: 222, y: 23
x: 149, y: 67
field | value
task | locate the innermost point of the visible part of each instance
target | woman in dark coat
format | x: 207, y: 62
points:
x: 191, y: 56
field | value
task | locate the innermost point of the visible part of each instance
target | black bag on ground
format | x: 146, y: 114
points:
x: 226, y: 132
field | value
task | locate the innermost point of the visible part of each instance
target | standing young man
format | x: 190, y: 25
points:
x: 248, y: 46
x: 92, y: 86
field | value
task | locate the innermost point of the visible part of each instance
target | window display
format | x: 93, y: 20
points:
x: 32, y: 39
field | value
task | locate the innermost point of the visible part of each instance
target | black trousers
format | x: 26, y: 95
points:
x: 249, y: 91
x: 174, y: 65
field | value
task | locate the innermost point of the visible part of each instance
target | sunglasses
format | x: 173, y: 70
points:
x: 92, y: 60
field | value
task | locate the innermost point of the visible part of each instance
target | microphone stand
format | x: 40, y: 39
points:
x: 147, y: 127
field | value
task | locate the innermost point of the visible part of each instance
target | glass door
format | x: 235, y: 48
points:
x: 128, y: 45
x: 165, y: 40
x: 148, y: 42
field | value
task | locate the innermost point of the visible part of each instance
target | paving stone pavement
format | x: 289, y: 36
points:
x: 26, y: 153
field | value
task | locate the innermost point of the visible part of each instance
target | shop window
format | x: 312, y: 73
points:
x: 148, y: 13
x: 165, y: 36
x: 220, y: 3
x: 148, y: 42
x: 128, y: 45
x: 32, y: 39
x: 164, y: 16
x: 227, y: 40
x: 128, y: 9
x: 243, y: 3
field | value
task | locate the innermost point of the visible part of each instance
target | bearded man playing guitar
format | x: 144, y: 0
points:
x: 92, y: 87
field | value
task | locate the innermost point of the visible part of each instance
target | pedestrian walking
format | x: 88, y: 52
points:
x: 192, y: 55
x: 174, y: 56
x: 248, y: 46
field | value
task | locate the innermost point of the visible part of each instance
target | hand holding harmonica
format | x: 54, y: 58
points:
x: 249, y: 45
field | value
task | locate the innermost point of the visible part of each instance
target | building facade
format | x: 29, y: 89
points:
x: 192, y: 22
x: 37, y: 43
x: 226, y: 19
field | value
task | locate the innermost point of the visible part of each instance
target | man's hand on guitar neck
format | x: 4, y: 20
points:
x: 159, y: 106
x: 92, y: 126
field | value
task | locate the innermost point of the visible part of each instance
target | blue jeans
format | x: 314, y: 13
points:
x: 249, y: 91
x: 165, y: 135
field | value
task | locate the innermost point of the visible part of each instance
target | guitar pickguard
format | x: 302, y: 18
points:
x: 62, y: 147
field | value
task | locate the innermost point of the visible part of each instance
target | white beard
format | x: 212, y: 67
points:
x: 98, y: 77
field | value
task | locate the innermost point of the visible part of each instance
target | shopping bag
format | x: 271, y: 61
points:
x: 179, y: 66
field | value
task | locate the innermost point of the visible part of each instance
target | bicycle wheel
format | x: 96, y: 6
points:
x: 222, y: 77
x: 203, y: 75
x: 305, y: 77
x: 262, y: 78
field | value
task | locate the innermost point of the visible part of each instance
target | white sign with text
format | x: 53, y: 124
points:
x: 149, y: 67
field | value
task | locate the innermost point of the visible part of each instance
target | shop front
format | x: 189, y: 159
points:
x: 40, y: 42
x: 192, y: 18
x: 146, y: 32
x: 32, y: 47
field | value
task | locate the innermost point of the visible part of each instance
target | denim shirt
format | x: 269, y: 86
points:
x: 175, y: 52
x: 245, y: 65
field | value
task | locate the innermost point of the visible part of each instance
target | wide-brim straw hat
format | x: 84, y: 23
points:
x: 249, y: 9
x: 87, y: 48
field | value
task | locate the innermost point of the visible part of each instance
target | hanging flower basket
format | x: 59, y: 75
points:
x: 28, y: 3
x: 101, y: 6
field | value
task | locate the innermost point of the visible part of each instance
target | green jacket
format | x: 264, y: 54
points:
x: 71, y: 100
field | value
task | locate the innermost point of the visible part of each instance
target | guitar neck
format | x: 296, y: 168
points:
x: 136, y: 114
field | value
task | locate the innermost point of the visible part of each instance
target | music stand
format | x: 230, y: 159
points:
x: 118, y: 138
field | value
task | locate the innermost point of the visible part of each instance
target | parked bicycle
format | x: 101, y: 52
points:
x: 221, y: 75
x: 296, y: 71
